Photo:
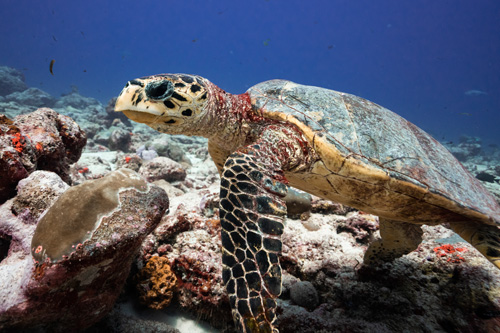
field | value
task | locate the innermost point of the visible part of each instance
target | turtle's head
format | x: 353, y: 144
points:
x: 168, y: 103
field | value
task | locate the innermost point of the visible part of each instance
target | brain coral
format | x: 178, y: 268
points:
x: 156, y: 283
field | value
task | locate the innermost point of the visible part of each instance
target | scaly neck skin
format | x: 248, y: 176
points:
x: 226, y: 119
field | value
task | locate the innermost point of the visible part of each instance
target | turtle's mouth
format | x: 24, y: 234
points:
x: 128, y: 104
x: 139, y: 116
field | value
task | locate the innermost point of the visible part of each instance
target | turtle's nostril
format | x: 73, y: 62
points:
x: 159, y: 89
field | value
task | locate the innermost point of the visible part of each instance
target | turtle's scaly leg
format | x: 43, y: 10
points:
x: 485, y: 238
x: 397, y: 239
x: 252, y: 211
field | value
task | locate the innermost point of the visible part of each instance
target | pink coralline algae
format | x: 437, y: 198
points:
x: 41, y: 140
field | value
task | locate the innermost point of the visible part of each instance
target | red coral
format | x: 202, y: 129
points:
x: 447, y: 250
x: 18, y: 142
x: 83, y: 170
x: 127, y: 159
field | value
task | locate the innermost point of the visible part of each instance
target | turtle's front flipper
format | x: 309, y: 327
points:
x: 252, y: 211
x: 251, y: 214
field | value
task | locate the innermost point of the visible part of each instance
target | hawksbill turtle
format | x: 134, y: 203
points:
x: 331, y: 144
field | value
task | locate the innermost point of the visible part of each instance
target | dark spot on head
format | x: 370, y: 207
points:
x: 136, y: 83
x: 195, y: 88
x: 179, y: 85
x: 187, y: 79
x: 200, y: 82
x: 169, y: 104
x: 139, y: 98
x: 187, y: 112
x: 159, y: 90
x: 179, y: 97
x: 170, y: 121
x: 204, y: 96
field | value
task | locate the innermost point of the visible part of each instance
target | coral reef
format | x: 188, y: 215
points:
x: 323, y: 242
x: 41, y: 140
x: 11, y: 80
x: 156, y: 283
x: 82, y: 264
x: 31, y: 97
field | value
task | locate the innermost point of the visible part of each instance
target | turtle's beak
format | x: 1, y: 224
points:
x: 131, y: 103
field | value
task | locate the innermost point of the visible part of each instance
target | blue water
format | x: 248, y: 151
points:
x: 418, y: 58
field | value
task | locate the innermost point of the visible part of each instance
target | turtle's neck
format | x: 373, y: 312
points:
x: 229, y: 119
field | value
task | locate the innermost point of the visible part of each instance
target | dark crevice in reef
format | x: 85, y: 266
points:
x: 5, y: 241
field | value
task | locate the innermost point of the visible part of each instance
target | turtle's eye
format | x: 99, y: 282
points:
x: 159, y: 89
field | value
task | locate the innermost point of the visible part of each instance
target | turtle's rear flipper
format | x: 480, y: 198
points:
x: 398, y: 238
x: 484, y: 237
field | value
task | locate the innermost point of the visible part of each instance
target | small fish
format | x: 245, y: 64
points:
x: 52, y: 66
x: 83, y: 35
x: 54, y: 38
x: 474, y: 92
x: 266, y: 42
x: 465, y: 114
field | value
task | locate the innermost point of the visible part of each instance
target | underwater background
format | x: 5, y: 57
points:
x: 154, y: 264
x: 436, y: 63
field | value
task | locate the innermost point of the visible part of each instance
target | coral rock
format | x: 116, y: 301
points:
x: 119, y: 140
x: 41, y: 140
x: 156, y: 283
x: 162, y: 168
x: 36, y: 193
x: 304, y: 294
x: 84, y: 246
